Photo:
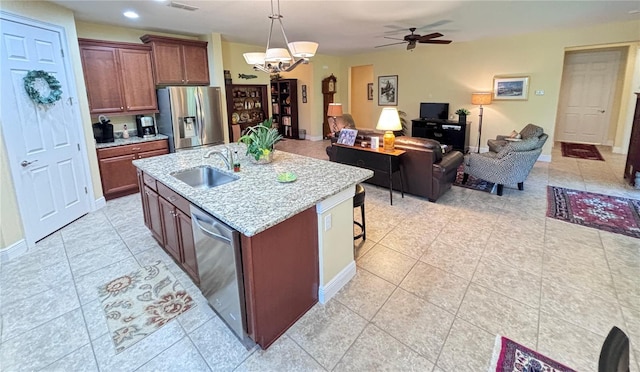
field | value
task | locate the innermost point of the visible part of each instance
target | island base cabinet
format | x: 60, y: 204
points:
x: 280, y: 268
x: 151, y: 210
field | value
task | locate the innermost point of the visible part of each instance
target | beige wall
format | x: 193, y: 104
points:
x: 360, y: 107
x: 450, y: 73
x: 336, y: 244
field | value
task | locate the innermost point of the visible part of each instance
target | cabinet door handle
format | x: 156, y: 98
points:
x: 136, y: 149
x: 121, y: 108
x: 147, y: 192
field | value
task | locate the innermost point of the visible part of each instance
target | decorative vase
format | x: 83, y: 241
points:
x: 462, y: 119
x: 263, y: 159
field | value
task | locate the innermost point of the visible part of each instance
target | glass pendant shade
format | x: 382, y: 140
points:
x: 277, y: 55
x: 255, y: 58
x: 303, y: 49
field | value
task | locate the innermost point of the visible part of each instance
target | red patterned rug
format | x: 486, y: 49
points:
x: 609, y: 213
x: 472, y: 182
x: 510, y: 356
x: 580, y: 151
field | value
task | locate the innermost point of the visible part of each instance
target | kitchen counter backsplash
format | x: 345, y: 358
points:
x: 133, y: 138
x: 256, y: 201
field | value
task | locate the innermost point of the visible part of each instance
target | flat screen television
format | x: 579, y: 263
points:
x: 434, y: 110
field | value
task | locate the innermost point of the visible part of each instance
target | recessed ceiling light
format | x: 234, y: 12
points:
x: 131, y: 14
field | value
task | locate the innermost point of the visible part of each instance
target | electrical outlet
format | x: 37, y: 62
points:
x: 327, y: 222
x: 539, y: 92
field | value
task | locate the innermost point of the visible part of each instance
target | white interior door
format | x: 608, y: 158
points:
x: 588, y: 86
x: 42, y: 142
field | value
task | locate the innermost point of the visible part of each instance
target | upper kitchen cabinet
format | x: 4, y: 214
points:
x: 179, y: 61
x: 118, y: 76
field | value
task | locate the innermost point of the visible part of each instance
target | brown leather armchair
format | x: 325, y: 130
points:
x: 427, y: 172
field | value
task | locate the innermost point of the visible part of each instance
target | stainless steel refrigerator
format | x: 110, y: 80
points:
x: 190, y: 116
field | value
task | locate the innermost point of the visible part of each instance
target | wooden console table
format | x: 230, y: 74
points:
x: 377, y: 160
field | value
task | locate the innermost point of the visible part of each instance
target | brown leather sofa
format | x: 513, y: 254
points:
x: 427, y: 172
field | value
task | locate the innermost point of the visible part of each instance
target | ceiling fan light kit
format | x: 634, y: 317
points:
x: 276, y: 60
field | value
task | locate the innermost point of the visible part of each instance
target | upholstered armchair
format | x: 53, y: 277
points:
x: 511, y: 165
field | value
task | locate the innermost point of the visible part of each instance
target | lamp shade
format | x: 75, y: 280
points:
x: 303, y: 49
x: 335, y: 109
x: 277, y: 55
x: 481, y: 98
x: 254, y: 58
x: 389, y: 119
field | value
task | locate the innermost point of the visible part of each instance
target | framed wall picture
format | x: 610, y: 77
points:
x: 510, y: 88
x: 304, y: 93
x: 370, y: 91
x: 388, y: 90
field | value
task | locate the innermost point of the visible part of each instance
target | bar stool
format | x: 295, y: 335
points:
x: 358, y: 201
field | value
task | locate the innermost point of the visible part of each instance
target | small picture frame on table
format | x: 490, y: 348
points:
x: 348, y: 137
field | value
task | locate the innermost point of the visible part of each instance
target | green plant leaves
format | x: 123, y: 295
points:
x: 260, y: 138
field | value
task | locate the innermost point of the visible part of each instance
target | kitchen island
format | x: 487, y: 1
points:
x: 296, y: 238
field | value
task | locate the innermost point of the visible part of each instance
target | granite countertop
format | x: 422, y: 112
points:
x: 129, y: 141
x: 257, y: 200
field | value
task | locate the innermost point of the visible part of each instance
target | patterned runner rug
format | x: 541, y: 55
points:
x: 472, y: 183
x: 510, y: 356
x: 609, y: 213
x: 139, y: 303
x: 580, y: 151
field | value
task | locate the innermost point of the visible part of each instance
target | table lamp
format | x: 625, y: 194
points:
x: 335, y: 110
x: 389, y: 121
x: 480, y: 98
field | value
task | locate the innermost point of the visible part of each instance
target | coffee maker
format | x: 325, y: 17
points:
x: 146, y: 126
x: 103, y: 131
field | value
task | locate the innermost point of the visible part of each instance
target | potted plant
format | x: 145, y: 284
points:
x: 260, y: 140
x: 462, y: 115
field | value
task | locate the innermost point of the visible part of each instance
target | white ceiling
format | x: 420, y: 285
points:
x: 348, y: 27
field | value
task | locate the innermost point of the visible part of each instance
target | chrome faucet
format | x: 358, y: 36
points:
x: 227, y: 158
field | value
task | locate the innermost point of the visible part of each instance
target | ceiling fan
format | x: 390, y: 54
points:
x: 413, y: 38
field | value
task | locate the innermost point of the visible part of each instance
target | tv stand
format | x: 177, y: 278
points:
x: 447, y: 132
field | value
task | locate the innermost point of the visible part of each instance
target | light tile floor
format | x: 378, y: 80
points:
x: 435, y: 284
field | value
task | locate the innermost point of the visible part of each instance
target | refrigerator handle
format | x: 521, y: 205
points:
x: 199, y: 115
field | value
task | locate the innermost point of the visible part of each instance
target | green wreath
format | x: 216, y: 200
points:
x: 54, y: 85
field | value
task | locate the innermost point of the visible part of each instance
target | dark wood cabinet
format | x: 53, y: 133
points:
x: 284, y: 106
x: 117, y: 172
x: 118, y: 76
x: 632, y: 165
x: 151, y: 210
x: 450, y: 133
x: 246, y: 107
x: 170, y: 229
x: 178, y: 61
x: 189, y: 261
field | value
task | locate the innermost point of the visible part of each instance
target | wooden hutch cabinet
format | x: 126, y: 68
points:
x: 633, y: 155
x: 118, y: 76
x: 284, y: 105
x: 179, y: 61
x: 246, y: 107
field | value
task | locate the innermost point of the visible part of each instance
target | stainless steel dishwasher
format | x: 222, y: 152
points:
x: 220, y: 270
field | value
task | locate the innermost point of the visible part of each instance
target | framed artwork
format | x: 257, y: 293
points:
x: 348, y: 136
x: 510, y: 88
x: 304, y: 93
x: 370, y: 91
x: 388, y: 90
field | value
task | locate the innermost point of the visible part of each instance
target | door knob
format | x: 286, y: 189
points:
x: 26, y: 163
x: 601, y: 111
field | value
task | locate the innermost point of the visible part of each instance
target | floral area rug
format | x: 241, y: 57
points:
x: 472, y: 182
x: 610, y: 213
x: 510, y: 356
x: 139, y: 303
x: 580, y: 151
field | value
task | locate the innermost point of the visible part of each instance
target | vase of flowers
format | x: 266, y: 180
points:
x: 260, y: 140
x: 462, y: 115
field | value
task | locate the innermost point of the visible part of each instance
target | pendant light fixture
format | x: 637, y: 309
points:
x: 275, y: 60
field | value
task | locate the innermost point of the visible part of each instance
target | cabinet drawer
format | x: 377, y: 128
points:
x: 132, y: 149
x: 149, y: 181
x: 175, y: 199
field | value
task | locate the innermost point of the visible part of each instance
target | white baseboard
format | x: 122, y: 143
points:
x: 314, y: 138
x: 14, y: 250
x: 618, y: 150
x: 99, y: 203
x: 545, y: 158
x: 325, y: 293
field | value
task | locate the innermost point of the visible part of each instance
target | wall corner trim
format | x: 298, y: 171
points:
x: 325, y: 293
x: 14, y: 250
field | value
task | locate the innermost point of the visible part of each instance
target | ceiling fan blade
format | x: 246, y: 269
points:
x: 380, y: 46
x: 392, y: 38
x: 436, y: 42
x: 411, y: 46
x: 430, y: 36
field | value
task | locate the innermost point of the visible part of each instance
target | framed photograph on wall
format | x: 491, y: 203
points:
x: 510, y: 88
x: 370, y: 91
x: 388, y: 90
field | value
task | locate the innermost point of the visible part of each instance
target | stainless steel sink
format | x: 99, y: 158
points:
x: 204, y: 177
